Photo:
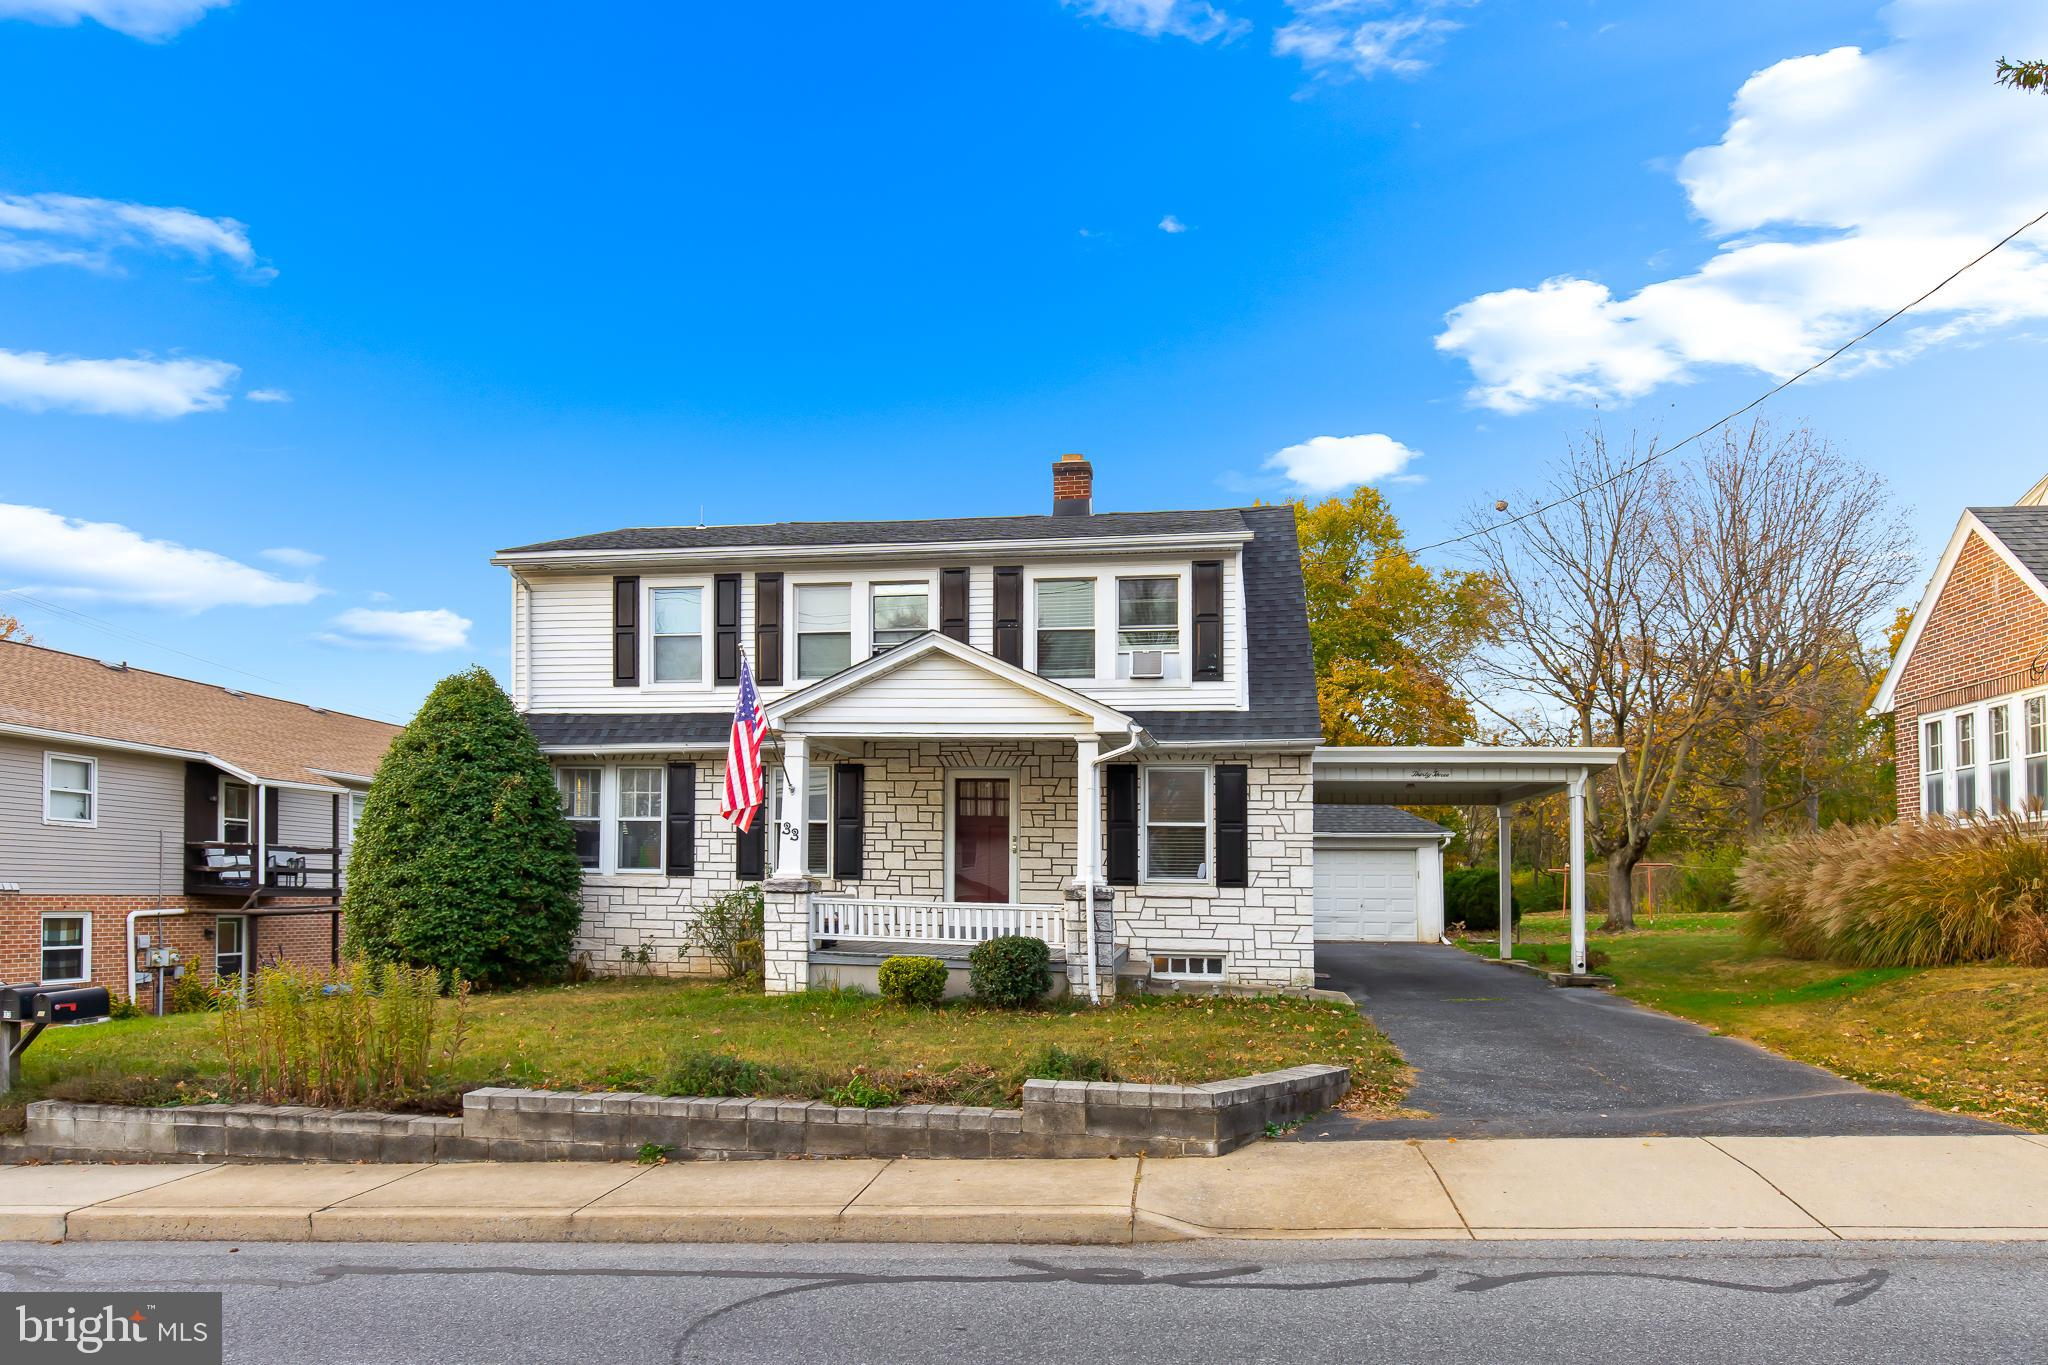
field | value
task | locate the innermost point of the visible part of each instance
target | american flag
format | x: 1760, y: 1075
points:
x: 743, y: 787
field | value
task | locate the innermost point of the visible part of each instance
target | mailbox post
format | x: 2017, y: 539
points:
x: 26, y: 1010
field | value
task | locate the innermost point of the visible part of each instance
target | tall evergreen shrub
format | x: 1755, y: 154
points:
x: 462, y: 861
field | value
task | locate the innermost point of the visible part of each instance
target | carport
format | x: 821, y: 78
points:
x: 1497, y: 776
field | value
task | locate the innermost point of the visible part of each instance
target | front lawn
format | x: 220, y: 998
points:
x: 1967, y: 1039
x: 653, y: 1034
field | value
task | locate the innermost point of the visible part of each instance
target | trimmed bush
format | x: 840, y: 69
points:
x: 462, y: 861
x: 912, y: 980
x: 1472, y: 898
x: 1706, y: 883
x: 1904, y: 895
x: 1011, y: 971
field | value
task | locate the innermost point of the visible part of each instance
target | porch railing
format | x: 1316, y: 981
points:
x: 902, y: 921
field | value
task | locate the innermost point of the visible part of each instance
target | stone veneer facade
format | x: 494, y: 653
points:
x: 1264, y: 930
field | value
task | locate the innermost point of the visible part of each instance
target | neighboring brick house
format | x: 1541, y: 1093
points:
x: 134, y: 806
x: 1968, y: 691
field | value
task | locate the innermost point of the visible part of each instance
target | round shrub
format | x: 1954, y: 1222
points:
x: 1472, y: 897
x: 912, y: 980
x: 1010, y: 971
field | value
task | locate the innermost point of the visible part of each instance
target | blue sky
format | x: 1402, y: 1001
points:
x: 394, y: 286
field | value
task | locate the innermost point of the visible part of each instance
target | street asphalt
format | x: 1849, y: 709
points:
x: 1298, y: 1301
x: 1503, y: 1053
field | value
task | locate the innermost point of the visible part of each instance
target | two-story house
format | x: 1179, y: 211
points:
x: 141, y: 812
x: 1968, y: 688
x: 977, y: 725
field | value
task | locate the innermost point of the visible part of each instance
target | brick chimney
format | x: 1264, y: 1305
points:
x: 1073, y: 486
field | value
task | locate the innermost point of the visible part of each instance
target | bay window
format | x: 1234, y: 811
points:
x: 902, y: 611
x: 1066, y: 627
x: 1998, y: 740
x: 824, y: 629
x: 1966, y: 763
x: 1932, y: 787
x: 1175, y: 817
x: 640, y: 818
x: 581, y: 789
x: 678, y: 634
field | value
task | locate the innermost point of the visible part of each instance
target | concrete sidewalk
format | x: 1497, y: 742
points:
x: 1978, y: 1188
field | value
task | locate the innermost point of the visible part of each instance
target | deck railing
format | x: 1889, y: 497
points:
x: 903, y: 921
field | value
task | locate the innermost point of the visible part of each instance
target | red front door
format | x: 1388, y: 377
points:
x: 981, y: 839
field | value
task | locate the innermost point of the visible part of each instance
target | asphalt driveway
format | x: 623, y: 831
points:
x: 1502, y: 1053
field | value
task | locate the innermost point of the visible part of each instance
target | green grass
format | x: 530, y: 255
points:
x: 648, y: 1033
x: 1966, y: 1039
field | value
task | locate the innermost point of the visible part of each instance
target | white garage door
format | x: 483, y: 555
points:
x: 1366, y: 893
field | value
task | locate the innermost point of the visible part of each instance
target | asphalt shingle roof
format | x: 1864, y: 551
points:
x: 276, y: 740
x: 1372, y: 820
x: 2024, y: 531
x: 823, y: 534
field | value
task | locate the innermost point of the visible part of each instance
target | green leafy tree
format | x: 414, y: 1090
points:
x: 2022, y: 75
x: 1390, y: 635
x: 463, y: 861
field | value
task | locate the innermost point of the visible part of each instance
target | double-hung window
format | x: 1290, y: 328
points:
x: 231, y: 949
x: 1148, y: 627
x: 581, y: 790
x: 1966, y: 763
x: 678, y: 634
x: 824, y: 629
x: 818, y: 820
x: 356, y: 802
x: 2037, y: 751
x: 1176, y: 821
x: 1998, y: 740
x: 70, y: 790
x: 640, y: 819
x: 67, y: 948
x: 1932, y: 787
x: 1066, y: 627
x: 235, y: 825
x: 902, y: 611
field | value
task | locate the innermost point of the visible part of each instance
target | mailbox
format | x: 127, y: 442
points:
x: 70, y: 1005
x: 14, y: 1002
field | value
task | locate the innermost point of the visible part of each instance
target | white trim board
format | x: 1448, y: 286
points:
x: 1966, y: 526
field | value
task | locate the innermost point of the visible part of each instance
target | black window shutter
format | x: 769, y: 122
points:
x: 725, y: 596
x: 1233, y: 828
x: 1121, y: 779
x: 953, y: 604
x: 751, y: 859
x: 849, y: 786
x: 1208, y: 620
x: 682, y: 819
x: 1010, y: 615
x: 768, y: 629
x: 626, y: 631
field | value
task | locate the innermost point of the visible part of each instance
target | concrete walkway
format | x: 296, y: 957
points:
x: 1818, y: 1189
x: 1501, y: 1053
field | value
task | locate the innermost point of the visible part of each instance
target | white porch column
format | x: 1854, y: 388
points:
x: 1578, y: 863
x: 789, y: 849
x: 1504, y: 854
x: 1087, y: 845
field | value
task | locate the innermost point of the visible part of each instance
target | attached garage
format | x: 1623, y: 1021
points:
x: 1378, y: 875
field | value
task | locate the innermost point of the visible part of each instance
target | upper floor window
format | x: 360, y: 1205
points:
x: 678, y: 634
x: 235, y: 825
x: 1998, y: 742
x: 640, y: 819
x: 1176, y: 822
x: 2037, y: 750
x: 356, y: 802
x: 824, y: 629
x: 1066, y: 627
x: 1966, y: 762
x: 902, y: 611
x: 70, y: 790
x: 1148, y: 613
x: 581, y: 789
x: 1931, y: 802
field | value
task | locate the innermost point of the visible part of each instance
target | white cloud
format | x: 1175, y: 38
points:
x: 1366, y: 37
x: 268, y: 396
x: 65, y: 229
x: 1172, y: 226
x: 420, y: 632
x: 151, y: 20
x: 39, y: 382
x: 293, y: 556
x: 1192, y: 19
x: 1846, y: 183
x: 1326, y: 464
x: 378, y: 596
x: 102, y: 560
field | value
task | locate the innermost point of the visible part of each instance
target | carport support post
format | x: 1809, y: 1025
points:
x: 1578, y: 887
x: 1504, y: 852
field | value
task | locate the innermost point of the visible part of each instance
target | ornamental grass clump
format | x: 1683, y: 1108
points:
x: 360, y: 1034
x: 1905, y: 895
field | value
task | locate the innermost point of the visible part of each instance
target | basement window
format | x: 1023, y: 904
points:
x: 1192, y: 967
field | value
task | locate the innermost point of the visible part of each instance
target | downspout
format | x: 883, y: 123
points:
x: 1136, y: 737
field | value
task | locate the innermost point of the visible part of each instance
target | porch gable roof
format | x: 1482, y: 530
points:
x: 935, y: 684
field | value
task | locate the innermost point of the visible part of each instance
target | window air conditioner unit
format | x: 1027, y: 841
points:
x: 1148, y: 663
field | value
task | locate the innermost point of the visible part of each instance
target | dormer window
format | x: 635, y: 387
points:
x: 824, y: 629
x: 902, y: 611
x: 678, y: 634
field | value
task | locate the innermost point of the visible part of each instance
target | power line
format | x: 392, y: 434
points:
x: 1753, y: 403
